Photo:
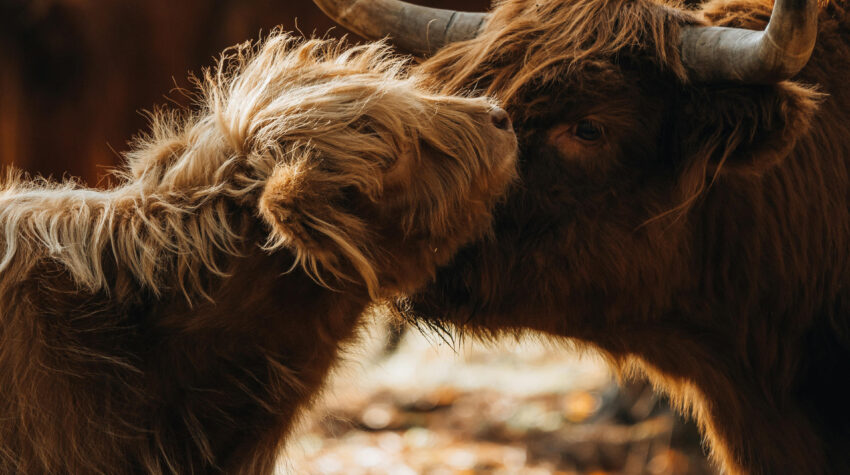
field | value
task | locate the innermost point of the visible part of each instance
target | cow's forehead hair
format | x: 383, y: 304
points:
x: 532, y: 42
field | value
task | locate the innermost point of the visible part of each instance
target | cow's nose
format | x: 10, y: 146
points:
x: 500, y: 118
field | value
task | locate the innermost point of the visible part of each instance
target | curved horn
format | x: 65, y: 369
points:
x: 760, y: 57
x: 414, y: 28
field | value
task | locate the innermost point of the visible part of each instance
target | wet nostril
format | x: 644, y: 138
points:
x: 500, y: 118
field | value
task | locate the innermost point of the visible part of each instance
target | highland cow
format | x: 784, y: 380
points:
x: 684, y: 206
x: 178, y: 322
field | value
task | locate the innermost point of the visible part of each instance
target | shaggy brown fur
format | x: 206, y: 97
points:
x: 144, y: 329
x: 700, y: 233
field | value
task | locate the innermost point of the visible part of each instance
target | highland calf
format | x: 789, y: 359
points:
x: 178, y: 322
x: 685, y: 201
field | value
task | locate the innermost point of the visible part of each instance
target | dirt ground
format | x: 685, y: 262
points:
x: 530, y: 407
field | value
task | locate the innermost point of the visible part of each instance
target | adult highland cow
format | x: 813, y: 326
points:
x: 178, y: 322
x: 684, y: 207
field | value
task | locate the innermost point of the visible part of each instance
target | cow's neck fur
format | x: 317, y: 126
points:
x: 735, y: 303
x: 763, y: 266
x: 769, y: 262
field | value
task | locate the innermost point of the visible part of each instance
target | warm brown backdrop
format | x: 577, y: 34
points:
x: 76, y: 74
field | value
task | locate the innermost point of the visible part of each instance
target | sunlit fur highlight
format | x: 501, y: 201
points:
x: 531, y: 43
x: 180, y: 321
x: 170, y: 217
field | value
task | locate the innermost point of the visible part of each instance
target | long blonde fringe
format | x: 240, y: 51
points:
x: 170, y: 220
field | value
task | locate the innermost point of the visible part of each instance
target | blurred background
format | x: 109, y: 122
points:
x: 407, y: 403
x: 75, y: 78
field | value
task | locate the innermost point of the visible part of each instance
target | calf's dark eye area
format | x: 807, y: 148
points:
x: 588, y: 131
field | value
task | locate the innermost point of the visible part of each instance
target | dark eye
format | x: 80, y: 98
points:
x: 588, y: 130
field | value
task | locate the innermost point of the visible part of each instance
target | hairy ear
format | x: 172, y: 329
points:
x: 744, y: 129
x: 306, y: 211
